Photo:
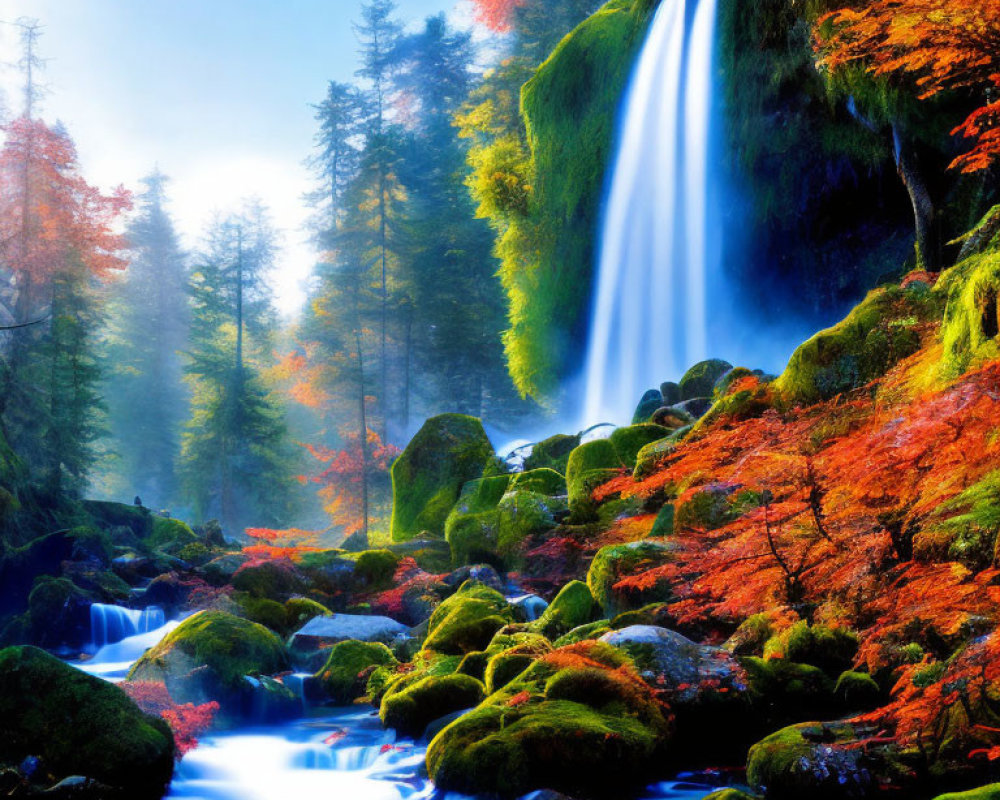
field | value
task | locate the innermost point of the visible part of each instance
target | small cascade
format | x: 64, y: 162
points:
x: 659, y: 245
x: 110, y: 624
x: 113, y: 661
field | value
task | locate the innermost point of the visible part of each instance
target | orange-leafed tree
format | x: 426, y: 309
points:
x: 497, y: 15
x: 349, y: 473
x: 938, y: 45
x: 58, y: 240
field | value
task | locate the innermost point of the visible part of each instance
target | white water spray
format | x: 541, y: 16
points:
x: 650, y: 318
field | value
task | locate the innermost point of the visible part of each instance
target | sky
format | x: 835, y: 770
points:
x: 215, y: 93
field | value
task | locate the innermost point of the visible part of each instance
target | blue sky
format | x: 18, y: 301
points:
x: 216, y: 92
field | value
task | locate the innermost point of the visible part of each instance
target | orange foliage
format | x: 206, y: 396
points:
x: 50, y: 216
x: 497, y: 15
x: 276, y: 545
x: 942, y: 45
x: 187, y: 721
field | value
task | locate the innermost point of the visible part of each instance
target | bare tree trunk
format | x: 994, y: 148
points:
x: 924, y: 214
x: 362, y: 435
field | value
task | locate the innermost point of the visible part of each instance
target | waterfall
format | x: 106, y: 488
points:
x: 649, y: 318
x: 110, y: 624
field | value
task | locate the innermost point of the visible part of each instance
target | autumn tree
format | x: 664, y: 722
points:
x: 927, y: 49
x: 144, y: 386
x: 59, y: 244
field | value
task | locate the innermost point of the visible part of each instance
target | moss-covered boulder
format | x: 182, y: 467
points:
x: 310, y: 645
x: 523, y: 513
x: 577, y: 721
x: 699, y: 381
x: 170, y: 534
x: 467, y: 620
x: 344, y: 676
x: 572, y: 607
x: 107, y: 516
x: 616, y: 561
x: 412, y: 709
x: 373, y: 569
x: 630, y: 440
x: 299, y: 610
x: 472, y: 527
x: 589, y: 466
x: 830, y: 649
x: 878, y: 333
x: 858, y: 690
x: 822, y: 761
x: 647, y: 405
x: 59, y: 613
x: 552, y: 453
x: 208, y: 656
x: 649, y: 458
x: 447, y: 452
x: 541, y: 481
x: 784, y: 691
x: 990, y: 792
x: 77, y: 724
x: 275, y: 580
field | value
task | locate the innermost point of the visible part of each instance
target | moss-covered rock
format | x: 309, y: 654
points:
x: 616, y: 561
x: 59, y: 613
x: 821, y: 761
x: 580, y: 723
x: 830, y: 649
x: 467, y: 620
x: 878, y: 333
x: 630, y: 440
x: 169, y: 534
x: 663, y: 525
x: 269, y: 613
x: 589, y: 466
x: 448, y: 451
x: 80, y: 725
x: 784, y: 691
x: 858, y: 690
x: 592, y: 630
x: 649, y: 458
x: 647, y: 405
x: 729, y: 794
x: 541, y: 481
x: 521, y: 514
x: 300, y: 610
x: 410, y: 710
x: 343, y: 677
x: 107, y: 515
x: 572, y: 607
x: 990, y: 792
x: 552, y: 453
x: 699, y: 380
x: 275, y: 580
x: 373, y: 569
x: 208, y: 656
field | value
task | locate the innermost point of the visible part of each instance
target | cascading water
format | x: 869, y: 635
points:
x: 649, y: 317
x: 110, y: 624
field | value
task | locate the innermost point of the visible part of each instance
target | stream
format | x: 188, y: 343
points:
x: 325, y: 753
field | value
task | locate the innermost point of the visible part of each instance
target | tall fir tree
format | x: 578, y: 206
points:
x: 148, y: 331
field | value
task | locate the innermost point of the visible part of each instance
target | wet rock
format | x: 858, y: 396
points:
x: 310, y: 645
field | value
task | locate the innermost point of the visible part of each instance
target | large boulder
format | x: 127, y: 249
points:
x: 345, y: 675
x: 467, y: 620
x: 412, y: 709
x: 209, y: 656
x: 700, y: 379
x: 590, y: 465
x: 552, y: 453
x: 578, y: 721
x: 616, y: 561
x: 448, y: 451
x: 572, y: 607
x: 310, y: 645
x: 79, y: 725
x: 628, y: 441
x: 648, y: 403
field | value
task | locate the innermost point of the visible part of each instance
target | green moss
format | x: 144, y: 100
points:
x: 972, y: 288
x: 473, y: 536
x: 448, y: 451
x: 300, y: 610
x: 991, y: 792
x: 584, y: 730
x: 80, y: 725
x: 412, y: 709
x: 107, y: 515
x: 521, y: 514
x: 168, y: 533
x: 570, y: 108
x: 543, y: 480
x: 857, y: 690
x: 552, y: 453
x: 572, y: 607
x: 592, y: 630
x: 832, y: 650
x: 269, y: 613
x: 196, y: 553
x: 648, y: 404
x: 729, y: 794
x: 751, y: 636
x: 783, y: 691
x: 504, y: 667
x: 467, y: 620
x: 230, y: 647
x: 57, y: 610
x: 270, y: 579
x: 875, y: 335
x: 474, y: 664
x: 629, y: 441
x: 339, y: 677
x: 589, y: 466
x: 699, y: 380
x: 789, y: 763
x: 89, y: 542
x: 663, y: 525
x: 649, y: 458
x: 613, y: 562
x: 375, y: 568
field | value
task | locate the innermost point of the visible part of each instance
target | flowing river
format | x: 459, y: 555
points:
x: 339, y: 753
